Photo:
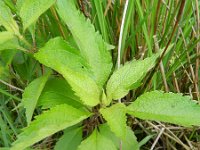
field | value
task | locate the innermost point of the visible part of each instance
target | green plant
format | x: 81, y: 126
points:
x: 87, y: 67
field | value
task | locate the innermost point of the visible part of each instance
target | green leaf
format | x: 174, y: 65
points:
x: 31, y: 95
x: 145, y: 140
x: 96, y: 141
x: 167, y: 107
x: 129, y: 143
x: 32, y: 9
x: 19, y: 4
x: 58, y: 55
x: 48, y: 123
x: 7, y: 56
x: 92, y: 46
x: 128, y: 77
x: 116, y: 119
x: 6, y: 19
x: 58, y: 91
x: 70, y: 140
x: 8, y: 40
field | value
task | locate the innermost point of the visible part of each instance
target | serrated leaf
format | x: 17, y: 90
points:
x: 104, y: 99
x: 129, y: 143
x: 6, y: 19
x: 8, y: 40
x: 92, y: 46
x: 70, y: 140
x: 96, y: 141
x: 31, y: 95
x: 167, y: 107
x: 30, y: 10
x: 58, y: 91
x: 58, y: 55
x: 128, y: 77
x: 116, y: 119
x: 48, y: 123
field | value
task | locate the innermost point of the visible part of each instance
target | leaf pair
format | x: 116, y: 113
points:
x: 155, y: 105
x: 58, y: 55
x: 80, y: 69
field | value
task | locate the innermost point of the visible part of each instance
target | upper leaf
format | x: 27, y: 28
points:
x: 128, y: 77
x: 116, y: 119
x: 96, y: 141
x: 129, y: 143
x: 48, y: 123
x: 6, y: 19
x: 31, y: 95
x: 58, y: 55
x: 30, y: 10
x: 70, y: 140
x: 167, y: 107
x: 19, y: 4
x: 58, y: 91
x: 8, y: 41
x: 92, y: 46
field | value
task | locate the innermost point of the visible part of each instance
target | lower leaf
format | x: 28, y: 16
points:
x: 70, y: 140
x: 129, y: 143
x: 48, y: 123
x: 116, y: 119
x: 96, y: 141
x: 166, y: 107
x: 31, y: 95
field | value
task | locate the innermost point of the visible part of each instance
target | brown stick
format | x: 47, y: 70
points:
x: 168, y: 43
x: 197, y: 51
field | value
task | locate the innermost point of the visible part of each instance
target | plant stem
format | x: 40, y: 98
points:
x: 25, y: 41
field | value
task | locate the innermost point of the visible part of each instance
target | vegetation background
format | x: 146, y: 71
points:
x: 149, y: 25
